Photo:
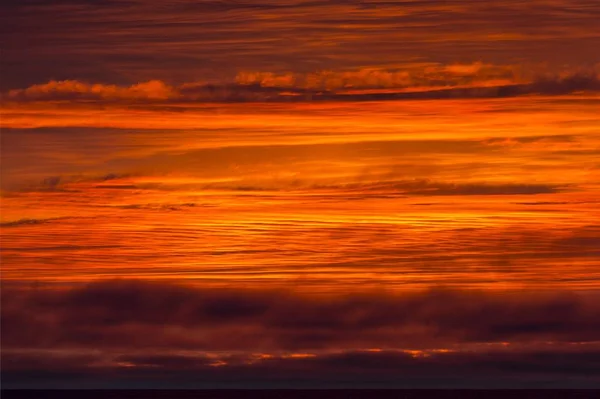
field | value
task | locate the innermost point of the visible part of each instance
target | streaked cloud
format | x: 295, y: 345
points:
x: 439, y: 82
x: 279, y: 192
x: 127, y: 41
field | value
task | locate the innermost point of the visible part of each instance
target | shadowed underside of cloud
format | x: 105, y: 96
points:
x: 549, y: 367
x: 451, y: 81
x: 176, y: 332
x: 432, y: 188
x: 413, y: 187
x: 27, y: 222
x: 410, y: 187
x: 129, y: 314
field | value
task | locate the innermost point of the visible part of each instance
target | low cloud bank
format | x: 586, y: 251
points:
x: 131, y: 314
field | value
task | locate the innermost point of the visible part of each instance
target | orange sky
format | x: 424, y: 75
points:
x: 410, y: 183
x: 261, y: 192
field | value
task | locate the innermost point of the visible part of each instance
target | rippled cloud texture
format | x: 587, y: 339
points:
x: 300, y: 194
x: 129, y: 41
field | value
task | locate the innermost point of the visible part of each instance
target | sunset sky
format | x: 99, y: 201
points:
x: 294, y: 193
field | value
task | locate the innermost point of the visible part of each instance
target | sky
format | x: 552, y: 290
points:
x: 298, y: 194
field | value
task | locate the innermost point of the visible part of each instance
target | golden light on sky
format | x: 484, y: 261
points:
x: 303, y: 190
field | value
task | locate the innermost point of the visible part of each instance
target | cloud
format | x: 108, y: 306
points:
x: 27, y: 222
x: 369, y: 189
x: 558, y: 366
x: 365, y: 186
x: 68, y: 183
x: 92, y: 40
x: 75, y: 90
x: 432, y: 188
x: 476, y: 80
x: 434, y: 76
x: 174, y: 334
x: 130, y: 314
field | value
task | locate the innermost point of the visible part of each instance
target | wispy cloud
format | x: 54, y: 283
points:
x: 439, y: 82
x: 352, y: 155
x: 128, y: 41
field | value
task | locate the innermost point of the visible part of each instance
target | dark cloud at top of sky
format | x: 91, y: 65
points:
x: 30, y: 5
x: 126, y: 41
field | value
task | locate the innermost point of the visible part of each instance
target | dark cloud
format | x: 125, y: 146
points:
x: 413, y: 187
x: 23, y: 222
x: 548, y: 367
x: 32, y: 4
x: 123, y: 333
x: 333, y: 87
x: 130, y: 40
x: 129, y: 314
x: 431, y: 188
x: 55, y: 184
x: 377, y: 186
